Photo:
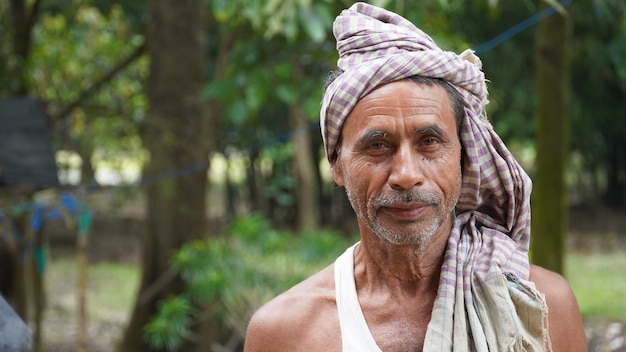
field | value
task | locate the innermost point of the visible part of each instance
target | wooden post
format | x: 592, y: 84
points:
x: 38, y: 269
x: 84, y: 219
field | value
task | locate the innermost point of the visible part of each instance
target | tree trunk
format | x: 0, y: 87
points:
x: 304, y: 168
x: 88, y: 173
x: 552, y: 79
x: 23, y: 18
x: 231, y: 190
x: 254, y: 196
x: 176, y: 176
x: 616, y: 172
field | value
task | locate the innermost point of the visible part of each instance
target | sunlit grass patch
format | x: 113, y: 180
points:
x: 599, y: 282
x: 111, y: 288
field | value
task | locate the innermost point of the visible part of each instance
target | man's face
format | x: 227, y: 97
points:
x: 400, y: 162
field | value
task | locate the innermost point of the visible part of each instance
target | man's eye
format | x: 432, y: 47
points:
x: 377, y: 145
x: 376, y: 149
x: 430, y: 141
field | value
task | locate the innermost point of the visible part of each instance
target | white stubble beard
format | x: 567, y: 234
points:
x: 368, y: 216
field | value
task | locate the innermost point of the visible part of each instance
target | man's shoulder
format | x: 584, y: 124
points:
x: 565, y: 321
x: 300, y: 298
x: 557, y: 291
x: 549, y: 282
x: 279, y: 324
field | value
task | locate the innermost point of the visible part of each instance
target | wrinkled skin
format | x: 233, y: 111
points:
x: 399, y: 161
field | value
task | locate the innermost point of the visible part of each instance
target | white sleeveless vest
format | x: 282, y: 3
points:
x: 355, y: 335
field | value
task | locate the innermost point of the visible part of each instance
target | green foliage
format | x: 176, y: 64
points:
x: 106, y: 126
x: 508, y: 67
x: 74, y: 45
x: 314, y: 20
x: 279, y: 185
x: 279, y: 54
x: 171, y: 326
x: 228, y: 277
x: 277, y: 17
x: 598, y: 87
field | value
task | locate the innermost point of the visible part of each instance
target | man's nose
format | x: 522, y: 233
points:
x: 406, y: 169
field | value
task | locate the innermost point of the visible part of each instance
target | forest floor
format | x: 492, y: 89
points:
x: 115, y: 280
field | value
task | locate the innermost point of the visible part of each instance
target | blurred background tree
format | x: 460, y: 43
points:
x: 176, y: 137
x: 131, y: 102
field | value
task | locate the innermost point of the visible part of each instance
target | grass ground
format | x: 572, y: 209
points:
x: 111, y: 288
x: 110, y: 295
x: 599, y: 282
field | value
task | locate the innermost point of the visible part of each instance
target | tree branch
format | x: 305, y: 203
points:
x: 150, y: 292
x: 100, y: 82
x: 31, y: 18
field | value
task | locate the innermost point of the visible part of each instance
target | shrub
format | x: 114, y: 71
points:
x: 228, y: 277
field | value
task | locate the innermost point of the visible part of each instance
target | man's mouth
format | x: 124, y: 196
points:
x: 406, y: 211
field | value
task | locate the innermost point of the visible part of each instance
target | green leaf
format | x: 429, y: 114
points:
x: 255, y: 95
x: 312, y: 106
x: 557, y: 6
x: 238, y: 112
x: 222, y: 90
x: 617, y: 52
x: 313, y: 24
x: 170, y: 326
x: 220, y: 10
x: 380, y: 3
x: 283, y: 70
x: 286, y: 94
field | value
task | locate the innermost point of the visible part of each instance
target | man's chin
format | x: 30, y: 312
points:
x: 404, y: 238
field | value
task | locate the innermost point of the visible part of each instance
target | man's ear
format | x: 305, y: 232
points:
x: 337, y: 172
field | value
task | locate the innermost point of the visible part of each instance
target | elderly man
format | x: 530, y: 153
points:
x: 443, y: 212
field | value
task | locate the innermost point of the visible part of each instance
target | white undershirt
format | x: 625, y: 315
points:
x: 355, y: 335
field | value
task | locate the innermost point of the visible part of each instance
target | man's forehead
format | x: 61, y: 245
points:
x: 402, y: 100
x: 405, y: 93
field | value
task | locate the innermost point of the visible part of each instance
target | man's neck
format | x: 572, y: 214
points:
x: 406, y: 270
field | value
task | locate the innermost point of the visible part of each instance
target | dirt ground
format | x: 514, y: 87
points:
x: 119, y: 241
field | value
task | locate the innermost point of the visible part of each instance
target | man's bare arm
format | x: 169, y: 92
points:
x: 262, y: 332
x: 567, y: 331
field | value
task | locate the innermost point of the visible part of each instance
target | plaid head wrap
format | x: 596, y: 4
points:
x: 484, y: 300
